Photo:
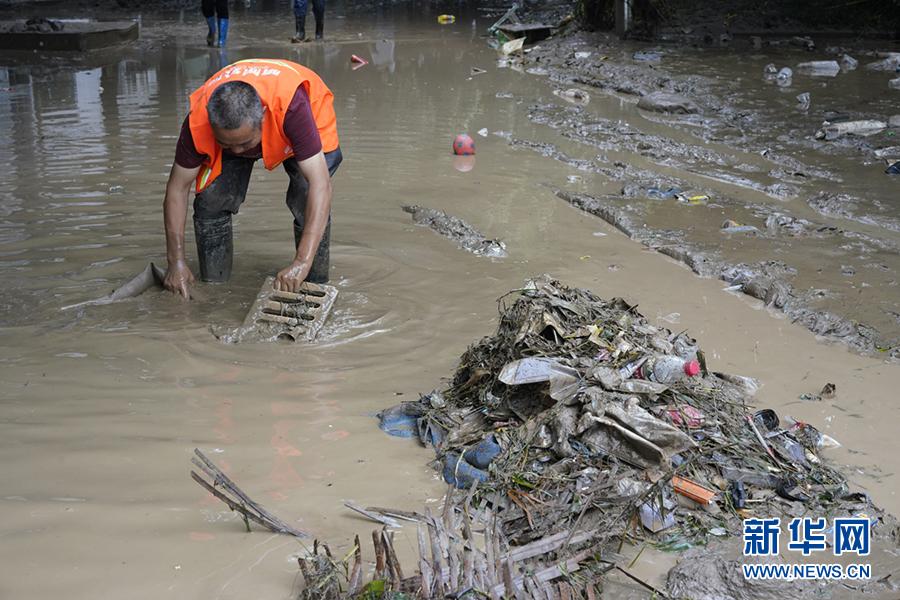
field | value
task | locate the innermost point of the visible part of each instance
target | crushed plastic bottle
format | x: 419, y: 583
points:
x: 667, y: 369
x: 686, y: 347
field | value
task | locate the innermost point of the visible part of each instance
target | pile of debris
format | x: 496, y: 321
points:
x: 576, y: 427
x: 558, y: 422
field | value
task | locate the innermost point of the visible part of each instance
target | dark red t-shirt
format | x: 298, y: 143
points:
x: 299, y: 127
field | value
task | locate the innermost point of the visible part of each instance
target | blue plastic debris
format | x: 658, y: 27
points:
x: 461, y: 474
x: 431, y: 434
x: 482, y: 453
x: 401, y: 420
x: 655, y: 192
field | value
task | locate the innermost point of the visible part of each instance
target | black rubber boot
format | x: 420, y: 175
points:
x: 300, y: 23
x: 321, y: 263
x: 215, y: 248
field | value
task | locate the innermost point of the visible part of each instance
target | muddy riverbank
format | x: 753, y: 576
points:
x: 102, y: 407
x: 718, y: 165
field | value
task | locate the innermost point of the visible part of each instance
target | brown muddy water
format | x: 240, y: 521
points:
x: 101, y: 408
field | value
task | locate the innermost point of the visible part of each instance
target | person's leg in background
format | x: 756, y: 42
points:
x: 296, y: 201
x: 208, y: 7
x: 319, y: 12
x: 213, y: 209
x: 222, y: 13
x: 300, y: 7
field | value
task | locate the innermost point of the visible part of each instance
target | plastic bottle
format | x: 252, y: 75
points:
x: 667, y: 369
x: 685, y: 347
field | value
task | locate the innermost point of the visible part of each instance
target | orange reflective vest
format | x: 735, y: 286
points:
x: 276, y: 82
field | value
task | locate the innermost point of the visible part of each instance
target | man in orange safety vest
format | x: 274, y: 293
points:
x: 275, y: 110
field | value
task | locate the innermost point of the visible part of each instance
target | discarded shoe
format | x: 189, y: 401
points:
x: 459, y: 473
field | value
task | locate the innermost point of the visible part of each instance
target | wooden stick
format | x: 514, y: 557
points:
x: 542, y: 576
x: 489, y: 547
x: 379, y: 555
x: 547, y: 544
x: 231, y: 503
x: 371, y: 515
x: 399, y: 514
x: 656, y: 591
x: 221, y: 479
x: 355, y: 584
x: 424, y: 568
x: 393, y: 561
x: 437, y: 556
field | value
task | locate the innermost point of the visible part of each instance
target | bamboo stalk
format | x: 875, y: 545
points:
x: 392, y: 559
x: 355, y: 584
x: 379, y: 555
x: 265, y: 518
x: 371, y: 515
x: 490, y: 557
x: 437, y: 555
x: 231, y: 503
x: 398, y: 514
x: 424, y: 568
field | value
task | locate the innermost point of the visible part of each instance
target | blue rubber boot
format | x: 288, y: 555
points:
x: 459, y: 473
x: 211, y: 36
x: 223, y: 32
x: 483, y: 453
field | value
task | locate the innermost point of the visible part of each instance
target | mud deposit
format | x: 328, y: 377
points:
x: 703, y: 136
x: 102, y: 406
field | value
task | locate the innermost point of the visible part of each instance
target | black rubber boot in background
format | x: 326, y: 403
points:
x: 300, y: 24
x: 215, y: 248
x: 322, y: 262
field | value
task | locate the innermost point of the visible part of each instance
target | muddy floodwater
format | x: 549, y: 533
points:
x: 102, y: 406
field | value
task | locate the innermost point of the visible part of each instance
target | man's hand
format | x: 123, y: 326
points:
x: 290, y: 277
x: 179, y: 279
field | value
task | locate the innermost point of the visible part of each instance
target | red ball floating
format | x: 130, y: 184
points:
x: 463, y: 145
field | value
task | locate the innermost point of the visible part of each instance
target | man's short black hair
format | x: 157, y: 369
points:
x: 234, y: 103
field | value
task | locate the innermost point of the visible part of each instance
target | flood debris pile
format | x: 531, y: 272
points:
x: 566, y: 421
x: 457, y: 556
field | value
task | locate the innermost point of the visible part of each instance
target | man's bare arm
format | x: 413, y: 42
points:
x: 318, y: 207
x: 178, y: 276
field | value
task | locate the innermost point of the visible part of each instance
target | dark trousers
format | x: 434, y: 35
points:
x: 225, y: 195
x: 212, y: 8
x: 300, y: 8
x: 318, y: 8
